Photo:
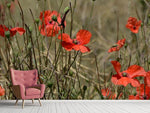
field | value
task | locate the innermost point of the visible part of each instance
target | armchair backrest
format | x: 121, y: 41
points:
x: 25, y: 78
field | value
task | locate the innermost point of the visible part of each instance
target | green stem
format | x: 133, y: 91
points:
x: 91, y: 14
x: 72, y: 62
x: 137, y: 47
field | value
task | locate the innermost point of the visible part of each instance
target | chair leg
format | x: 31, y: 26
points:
x: 16, y: 102
x: 32, y: 101
x: 40, y: 102
x: 22, y: 104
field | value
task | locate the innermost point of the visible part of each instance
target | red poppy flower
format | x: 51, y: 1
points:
x: 12, y: 31
x: 133, y: 24
x: 117, y: 47
x: 49, y: 30
x: 147, y: 78
x: 108, y: 94
x: 50, y: 27
x: 82, y: 38
x: 2, y: 91
x: 140, y: 93
x: 127, y: 77
x: 137, y: 97
x: 140, y: 90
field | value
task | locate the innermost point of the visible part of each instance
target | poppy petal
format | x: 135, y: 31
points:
x: 19, y: 30
x: 119, y: 45
x: 46, y: 14
x: 134, y: 82
x: 135, y: 71
x: 134, y: 30
x: 132, y: 97
x: 3, y: 28
x: 48, y: 30
x: 84, y: 49
x: 48, y: 17
x: 133, y: 24
x: 2, y: 32
x: 108, y: 94
x: 65, y: 37
x: 140, y: 90
x: 105, y: 92
x: 67, y: 46
x: 113, y: 49
x: 83, y: 36
x: 115, y: 78
x: 124, y: 81
x: 121, y: 42
x: 13, y: 31
x: 117, y: 66
x: 81, y: 48
x: 129, y: 26
x: 2, y: 91
x: 148, y: 78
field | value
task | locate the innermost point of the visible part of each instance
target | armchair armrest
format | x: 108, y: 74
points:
x: 19, y: 91
x: 40, y: 87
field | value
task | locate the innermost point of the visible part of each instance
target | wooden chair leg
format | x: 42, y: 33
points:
x: 32, y: 101
x: 22, y: 104
x: 40, y: 102
x: 16, y: 102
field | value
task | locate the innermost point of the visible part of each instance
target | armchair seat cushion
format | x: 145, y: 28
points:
x: 32, y: 91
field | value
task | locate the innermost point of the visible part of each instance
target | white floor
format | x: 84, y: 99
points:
x: 76, y: 106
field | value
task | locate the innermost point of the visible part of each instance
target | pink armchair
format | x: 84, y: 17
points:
x: 25, y: 85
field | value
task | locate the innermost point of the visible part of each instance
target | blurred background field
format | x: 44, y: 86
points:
x: 102, y: 21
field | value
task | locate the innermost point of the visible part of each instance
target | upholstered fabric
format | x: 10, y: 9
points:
x: 26, y: 78
x: 25, y: 84
x: 32, y: 91
x: 42, y: 87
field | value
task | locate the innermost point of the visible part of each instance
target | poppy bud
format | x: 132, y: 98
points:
x: 54, y: 18
x: 142, y: 24
x: 66, y: 9
x: 9, y: 5
x: 7, y: 34
x: 115, y: 45
x: 49, y: 84
x: 125, y: 45
x: 124, y: 74
x: 118, y: 59
x: 84, y: 88
x: 37, y: 20
x: 30, y: 29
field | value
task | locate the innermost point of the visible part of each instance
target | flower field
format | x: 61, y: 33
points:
x: 87, y: 49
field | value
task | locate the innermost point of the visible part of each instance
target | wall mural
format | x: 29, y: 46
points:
x: 74, y: 49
